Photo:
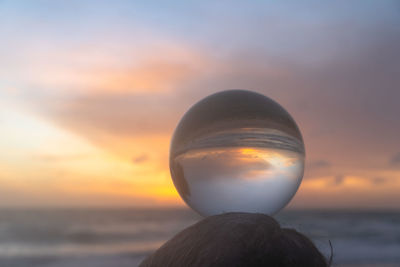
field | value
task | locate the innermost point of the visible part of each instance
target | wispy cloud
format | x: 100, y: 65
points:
x: 395, y: 160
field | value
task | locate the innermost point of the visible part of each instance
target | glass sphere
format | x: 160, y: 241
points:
x: 237, y: 150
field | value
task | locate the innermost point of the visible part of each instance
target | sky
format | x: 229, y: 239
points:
x: 91, y: 91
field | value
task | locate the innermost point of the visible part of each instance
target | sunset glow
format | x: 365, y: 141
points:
x: 88, y: 106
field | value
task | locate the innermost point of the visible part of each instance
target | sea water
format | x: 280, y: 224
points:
x: 123, y: 237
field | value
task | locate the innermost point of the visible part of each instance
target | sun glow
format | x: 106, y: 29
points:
x: 43, y: 160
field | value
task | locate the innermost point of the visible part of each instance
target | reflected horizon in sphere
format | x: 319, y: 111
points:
x: 237, y: 150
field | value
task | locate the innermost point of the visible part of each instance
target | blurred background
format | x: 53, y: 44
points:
x: 91, y: 91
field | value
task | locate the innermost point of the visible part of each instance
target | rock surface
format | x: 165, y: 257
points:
x: 235, y: 240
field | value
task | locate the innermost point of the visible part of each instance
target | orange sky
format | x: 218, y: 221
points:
x: 88, y: 103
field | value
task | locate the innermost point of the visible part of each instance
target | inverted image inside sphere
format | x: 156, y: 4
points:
x: 237, y: 150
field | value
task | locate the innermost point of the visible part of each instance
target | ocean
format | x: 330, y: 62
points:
x: 123, y: 237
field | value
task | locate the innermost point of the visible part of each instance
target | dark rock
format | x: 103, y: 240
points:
x: 236, y: 240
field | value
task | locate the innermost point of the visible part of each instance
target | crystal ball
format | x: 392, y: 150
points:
x: 237, y: 150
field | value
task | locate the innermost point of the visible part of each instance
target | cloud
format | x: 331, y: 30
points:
x: 378, y: 180
x: 344, y: 106
x: 315, y: 169
x: 141, y: 158
x: 395, y: 160
x: 318, y: 164
x: 338, y: 90
x: 338, y: 180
